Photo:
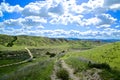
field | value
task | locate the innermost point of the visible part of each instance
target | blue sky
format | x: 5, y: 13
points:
x: 98, y: 19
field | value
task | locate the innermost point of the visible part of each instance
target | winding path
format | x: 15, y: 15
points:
x: 69, y: 70
x: 54, y: 76
x: 29, y: 59
x: 30, y: 54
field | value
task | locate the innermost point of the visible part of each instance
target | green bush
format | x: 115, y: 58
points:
x: 10, y: 44
x: 100, y: 66
x: 63, y: 74
x: 50, y: 54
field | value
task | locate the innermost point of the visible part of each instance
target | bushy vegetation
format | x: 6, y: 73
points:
x: 7, y: 57
x: 11, y: 43
x: 50, y: 54
x: 62, y: 74
x: 99, y: 66
x: 5, y: 39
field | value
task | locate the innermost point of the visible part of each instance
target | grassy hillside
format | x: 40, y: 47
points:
x: 18, y: 42
x: 45, y: 52
x: 7, y: 57
x: 29, y: 40
x: 104, y: 56
x: 108, y: 53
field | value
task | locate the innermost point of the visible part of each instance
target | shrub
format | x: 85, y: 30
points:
x: 50, y: 54
x: 10, y: 44
x: 100, y: 66
x: 63, y: 51
x: 63, y: 74
x: 47, y: 53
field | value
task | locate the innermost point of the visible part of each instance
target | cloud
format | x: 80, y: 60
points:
x: 1, y: 14
x: 36, y: 9
x: 64, y: 11
x: 91, y: 21
x: 26, y: 23
x: 66, y: 19
x: 103, y: 26
x: 108, y: 33
x: 57, y: 9
x: 34, y: 15
x: 33, y: 21
x: 117, y: 26
x: 43, y: 8
x: 106, y: 19
x: 5, y: 7
x: 115, y: 7
x: 78, y: 34
x: 112, y: 4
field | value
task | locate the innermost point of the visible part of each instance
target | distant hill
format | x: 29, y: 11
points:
x: 30, y: 40
x: 35, y: 41
x: 102, y: 40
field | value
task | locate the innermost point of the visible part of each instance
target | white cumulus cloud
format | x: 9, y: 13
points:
x: 5, y: 7
x: 34, y: 15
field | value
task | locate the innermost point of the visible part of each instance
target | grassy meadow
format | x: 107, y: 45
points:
x: 106, y: 54
x: 84, y: 56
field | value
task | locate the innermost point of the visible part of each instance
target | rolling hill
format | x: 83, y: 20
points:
x: 106, y: 56
x: 63, y: 58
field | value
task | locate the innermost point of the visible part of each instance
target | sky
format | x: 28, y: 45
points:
x: 84, y: 19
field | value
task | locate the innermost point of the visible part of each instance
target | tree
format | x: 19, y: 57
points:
x: 10, y: 44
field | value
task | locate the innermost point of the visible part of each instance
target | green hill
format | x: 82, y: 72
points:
x: 18, y: 42
x: 29, y: 40
x: 100, y: 57
x: 47, y: 53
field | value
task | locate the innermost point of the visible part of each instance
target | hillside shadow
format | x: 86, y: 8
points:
x: 110, y: 74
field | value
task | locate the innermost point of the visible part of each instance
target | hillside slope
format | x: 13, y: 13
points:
x: 34, y: 41
x: 29, y: 40
x: 12, y: 50
x: 101, y: 57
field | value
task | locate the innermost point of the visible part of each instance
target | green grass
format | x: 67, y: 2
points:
x: 39, y: 71
x: 33, y: 41
x: 8, y: 57
x: 77, y: 64
x: 20, y: 56
x: 12, y: 69
x: 42, y: 66
x: 108, y: 53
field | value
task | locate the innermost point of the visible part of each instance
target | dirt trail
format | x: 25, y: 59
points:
x: 30, y: 54
x: 54, y: 76
x: 70, y: 70
x: 31, y: 57
x: 91, y: 74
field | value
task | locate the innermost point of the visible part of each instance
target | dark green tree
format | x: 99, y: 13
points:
x: 11, y: 43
